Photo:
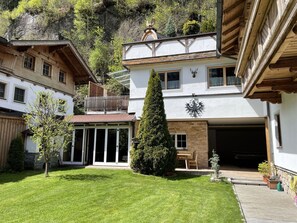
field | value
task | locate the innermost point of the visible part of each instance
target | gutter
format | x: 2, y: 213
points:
x: 219, y: 26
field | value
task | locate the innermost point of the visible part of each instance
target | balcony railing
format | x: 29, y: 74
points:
x: 107, y: 104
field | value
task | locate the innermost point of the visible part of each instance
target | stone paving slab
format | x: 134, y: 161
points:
x: 262, y: 205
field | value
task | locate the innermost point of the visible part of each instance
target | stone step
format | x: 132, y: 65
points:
x: 248, y: 182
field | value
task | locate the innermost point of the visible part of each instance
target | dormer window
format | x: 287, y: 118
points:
x: 47, y: 70
x: 29, y: 62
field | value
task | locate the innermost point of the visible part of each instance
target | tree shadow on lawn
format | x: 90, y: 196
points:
x: 181, y: 176
x: 10, y: 177
x: 84, y: 177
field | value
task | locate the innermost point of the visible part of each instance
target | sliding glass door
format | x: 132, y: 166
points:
x: 111, y: 146
x: 75, y: 150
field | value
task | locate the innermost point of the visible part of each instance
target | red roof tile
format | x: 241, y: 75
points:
x: 102, y: 118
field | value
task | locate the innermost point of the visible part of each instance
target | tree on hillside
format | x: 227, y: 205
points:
x: 51, y: 132
x: 155, y: 153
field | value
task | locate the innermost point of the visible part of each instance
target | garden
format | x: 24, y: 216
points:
x: 98, y: 195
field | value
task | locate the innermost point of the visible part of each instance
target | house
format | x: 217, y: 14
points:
x: 262, y: 36
x: 27, y: 67
x: 189, y: 68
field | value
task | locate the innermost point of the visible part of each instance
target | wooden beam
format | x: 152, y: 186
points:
x: 284, y: 63
x: 235, y: 16
x: 55, y: 48
x: 235, y: 26
x: 234, y: 5
x: 272, y: 97
x: 275, y: 82
x: 289, y: 88
x: 235, y: 35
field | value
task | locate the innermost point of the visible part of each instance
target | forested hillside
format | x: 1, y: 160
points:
x: 99, y: 27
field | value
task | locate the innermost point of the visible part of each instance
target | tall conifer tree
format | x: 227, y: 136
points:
x: 155, y: 153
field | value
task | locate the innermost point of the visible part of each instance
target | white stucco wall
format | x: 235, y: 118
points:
x: 30, y: 94
x: 285, y: 156
x: 170, y: 47
x: 220, y: 102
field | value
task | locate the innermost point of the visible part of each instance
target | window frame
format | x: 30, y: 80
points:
x: 4, y: 90
x: 166, y: 79
x: 175, y: 140
x: 33, y: 62
x: 50, y: 69
x: 224, y: 76
x: 64, y: 79
x: 14, y: 95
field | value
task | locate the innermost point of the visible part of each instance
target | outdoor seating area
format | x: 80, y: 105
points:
x: 190, y: 158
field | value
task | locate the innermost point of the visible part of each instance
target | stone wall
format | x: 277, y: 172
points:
x: 288, y: 182
x: 197, y: 138
x: 33, y: 161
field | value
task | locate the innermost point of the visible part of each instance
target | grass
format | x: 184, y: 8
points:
x: 96, y: 195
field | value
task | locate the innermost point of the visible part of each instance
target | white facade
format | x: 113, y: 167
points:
x: 173, y: 46
x: 30, y: 94
x: 224, y: 102
x: 285, y: 155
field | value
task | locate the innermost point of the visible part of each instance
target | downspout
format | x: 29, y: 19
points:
x: 219, y: 31
x: 269, y: 131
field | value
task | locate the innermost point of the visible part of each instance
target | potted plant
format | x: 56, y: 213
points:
x: 264, y: 169
x: 273, y: 181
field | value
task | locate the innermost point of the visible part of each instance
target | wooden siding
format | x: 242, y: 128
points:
x: 10, y: 127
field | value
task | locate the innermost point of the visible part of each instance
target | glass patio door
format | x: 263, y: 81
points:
x: 74, y: 153
x: 111, y: 146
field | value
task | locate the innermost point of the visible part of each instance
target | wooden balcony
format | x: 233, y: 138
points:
x: 107, y: 104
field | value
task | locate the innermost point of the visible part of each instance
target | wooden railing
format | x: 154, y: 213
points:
x: 107, y: 104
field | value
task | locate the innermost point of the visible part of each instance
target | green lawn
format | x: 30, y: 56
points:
x: 96, y: 195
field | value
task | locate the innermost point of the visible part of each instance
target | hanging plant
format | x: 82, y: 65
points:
x: 195, y: 107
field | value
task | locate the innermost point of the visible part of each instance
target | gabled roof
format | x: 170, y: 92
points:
x: 66, y: 50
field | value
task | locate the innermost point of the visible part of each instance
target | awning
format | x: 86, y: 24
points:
x: 103, y: 118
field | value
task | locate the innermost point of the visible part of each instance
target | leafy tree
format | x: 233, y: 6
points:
x: 16, y: 154
x: 170, y: 28
x: 191, y: 27
x: 79, y: 99
x: 155, y: 154
x: 51, y: 133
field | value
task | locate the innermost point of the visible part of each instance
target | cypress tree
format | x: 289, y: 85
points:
x: 155, y: 153
x: 170, y: 28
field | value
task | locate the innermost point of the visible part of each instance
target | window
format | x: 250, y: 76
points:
x: 19, y: 95
x: 62, y: 77
x: 222, y: 76
x: 180, y: 141
x: 2, y: 90
x: 278, y: 133
x: 47, y: 69
x: 169, y: 80
x: 62, y: 106
x: 29, y: 62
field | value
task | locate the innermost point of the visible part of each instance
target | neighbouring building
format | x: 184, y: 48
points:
x: 27, y: 67
x: 262, y: 36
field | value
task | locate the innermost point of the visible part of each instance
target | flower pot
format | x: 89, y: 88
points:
x: 265, y: 179
x: 272, y: 184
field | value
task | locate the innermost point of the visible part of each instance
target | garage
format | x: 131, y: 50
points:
x: 239, y: 146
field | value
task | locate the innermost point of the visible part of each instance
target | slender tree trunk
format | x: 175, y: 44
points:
x: 46, y: 169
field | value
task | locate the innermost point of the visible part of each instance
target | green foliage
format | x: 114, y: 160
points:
x: 112, y: 85
x: 98, y: 59
x: 50, y: 132
x: 191, y: 27
x: 80, y: 94
x: 214, y: 163
x: 170, y: 28
x: 208, y: 12
x: 155, y: 153
x: 207, y: 26
x: 264, y: 168
x: 115, y: 64
x: 16, y: 155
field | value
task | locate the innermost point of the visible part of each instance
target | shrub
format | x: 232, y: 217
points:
x: 155, y: 153
x: 264, y: 168
x: 191, y: 27
x: 16, y: 155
